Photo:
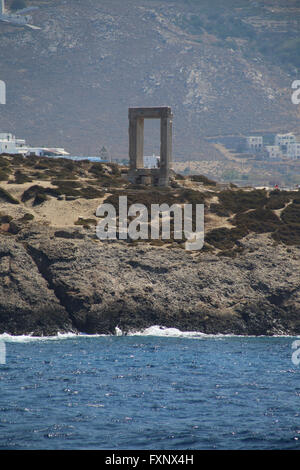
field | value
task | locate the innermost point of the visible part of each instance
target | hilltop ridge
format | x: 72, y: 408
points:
x: 71, y: 83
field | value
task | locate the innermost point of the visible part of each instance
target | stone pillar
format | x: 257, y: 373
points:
x: 165, y: 150
x: 140, y: 143
x: 136, y: 142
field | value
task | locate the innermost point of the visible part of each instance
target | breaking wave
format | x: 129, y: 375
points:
x: 155, y: 331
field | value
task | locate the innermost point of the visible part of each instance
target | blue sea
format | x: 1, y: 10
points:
x: 160, y: 389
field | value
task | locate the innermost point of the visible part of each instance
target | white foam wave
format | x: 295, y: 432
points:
x: 162, y: 331
x: 157, y: 330
x: 154, y: 330
x: 29, y: 338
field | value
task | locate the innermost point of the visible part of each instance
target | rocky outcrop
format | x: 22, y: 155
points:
x: 27, y: 303
x: 51, y: 284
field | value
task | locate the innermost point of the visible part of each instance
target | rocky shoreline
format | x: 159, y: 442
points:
x: 57, y: 276
x: 69, y: 281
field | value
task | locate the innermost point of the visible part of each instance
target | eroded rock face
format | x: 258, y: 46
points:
x: 27, y: 304
x: 50, y: 284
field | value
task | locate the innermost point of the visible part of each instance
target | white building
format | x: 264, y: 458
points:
x: 274, y: 152
x: 151, y: 161
x: 284, y: 140
x: 293, y: 150
x: 254, y: 143
x: 9, y: 144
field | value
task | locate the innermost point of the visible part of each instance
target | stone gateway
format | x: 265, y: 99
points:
x: 138, y: 174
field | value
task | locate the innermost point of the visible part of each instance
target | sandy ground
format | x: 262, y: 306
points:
x: 53, y: 212
x: 63, y: 213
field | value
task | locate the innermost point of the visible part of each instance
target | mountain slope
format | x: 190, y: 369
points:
x: 70, y: 84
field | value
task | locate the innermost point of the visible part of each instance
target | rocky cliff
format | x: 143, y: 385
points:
x: 52, y: 284
x: 57, y: 276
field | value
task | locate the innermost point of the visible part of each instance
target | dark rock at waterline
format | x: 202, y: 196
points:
x: 27, y: 304
x: 50, y: 284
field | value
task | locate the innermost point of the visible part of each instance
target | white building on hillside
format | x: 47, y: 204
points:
x: 9, y: 144
x: 254, y: 143
x: 293, y: 150
x: 274, y: 152
x: 284, y: 140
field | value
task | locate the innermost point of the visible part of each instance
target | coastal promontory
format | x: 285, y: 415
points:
x: 57, y: 276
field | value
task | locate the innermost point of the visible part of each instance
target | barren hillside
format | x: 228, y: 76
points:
x: 71, y: 82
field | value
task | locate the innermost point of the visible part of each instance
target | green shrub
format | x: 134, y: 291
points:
x: 69, y: 234
x: 17, y: 160
x: 7, y: 197
x: 27, y: 217
x: 4, y: 174
x: 21, y: 178
x: 159, y: 196
x: 39, y: 175
x: 67, y: 187
x: 31, y: 161
x: 203, y: 179
x: 288, y: 234
x: 278, y: 199
x: 291, y: 214
x: 115, y: 169
x: 219, y: 210
x: 61, y: 173
x: 77, y: 189
x: 4, y: 163
x: 89, y: 192
x: 5, y: 219
x: 225, y: 238
x: 97, y: 169
x: 178, y: 176
x: 85, y: 222
x: 41, y: 166
x: 38, y: 194
x: 190, y: 196
x: 4, y: 169
x: 39, y: 199
x: 258, y: 220
x: 239, y: 201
